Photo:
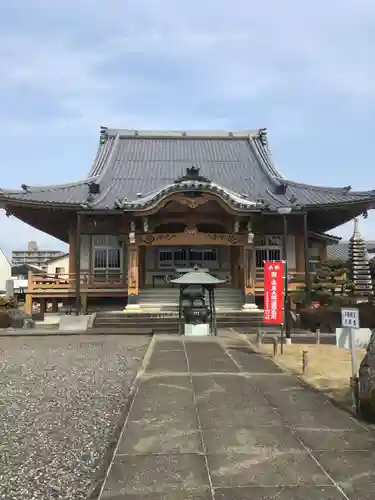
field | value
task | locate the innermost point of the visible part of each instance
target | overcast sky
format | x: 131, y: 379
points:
x: 303, y: 69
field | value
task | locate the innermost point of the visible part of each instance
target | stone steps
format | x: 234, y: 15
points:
x: 141, y: 322
x: 167, y: 299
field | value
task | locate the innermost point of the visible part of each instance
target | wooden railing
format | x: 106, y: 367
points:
x: 115, y: 279
x: 88, y: 280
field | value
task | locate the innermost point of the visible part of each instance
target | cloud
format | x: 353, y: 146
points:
x: 95, y: 67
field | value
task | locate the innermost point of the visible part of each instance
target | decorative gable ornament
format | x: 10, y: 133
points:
x: 192, y: 174
x: 250, y: 234
x: 191, y: 230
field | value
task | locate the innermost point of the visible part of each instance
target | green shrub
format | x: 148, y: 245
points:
x: 328, y: 317
x: 8, y: 302
x: 5, y: 320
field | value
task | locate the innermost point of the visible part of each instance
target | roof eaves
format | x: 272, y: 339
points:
x: 5, y: 201
x: 339, y: 203
x: 344, y: 190
x: 51, y: 187
x: 325, y: 236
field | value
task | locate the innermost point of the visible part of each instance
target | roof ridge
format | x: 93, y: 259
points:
x: 178, y: 134
x: 105, y: 167
x: 103, y: 151
x: 264, y: 160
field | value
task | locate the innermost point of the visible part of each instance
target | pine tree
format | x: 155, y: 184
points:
x: 329, y: 285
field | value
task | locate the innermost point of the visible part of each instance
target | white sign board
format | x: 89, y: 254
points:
x: 361, y: 338
x: 350, y: 317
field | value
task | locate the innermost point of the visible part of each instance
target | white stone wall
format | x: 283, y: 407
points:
x: 61, y: 262
x: 5, y: 271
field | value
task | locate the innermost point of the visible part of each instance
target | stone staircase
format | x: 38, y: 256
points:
x: 166, y: 299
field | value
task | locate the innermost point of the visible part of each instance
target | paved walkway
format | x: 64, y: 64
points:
x: 213, y: 420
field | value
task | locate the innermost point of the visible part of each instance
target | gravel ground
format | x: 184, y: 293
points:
x: 60, y: 401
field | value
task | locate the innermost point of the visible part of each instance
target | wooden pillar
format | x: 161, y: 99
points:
x: 234, y: 266
x: 133, y: 278
x: 84, y: 303
x: 323, y: 252
x: 124, y: 250
x: 249, y: 272
x: 43, y: 307
x: 299, y: 253
x: 78, y: 266
x: 55, y: 305
x: 29, y: 304
x: 141, y: 264
x: 29, y: 294
x: 72, y: 256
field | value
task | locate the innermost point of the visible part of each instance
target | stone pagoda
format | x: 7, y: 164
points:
x: 359, y: 265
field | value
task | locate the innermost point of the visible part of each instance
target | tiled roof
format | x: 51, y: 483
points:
x: 137, y: 169
x: 341, y: 250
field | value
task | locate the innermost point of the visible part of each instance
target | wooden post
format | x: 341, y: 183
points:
x: 133, y: 278
x: 72, y: 256
x: 43, y: 307
x: 305, y: 361
x: 274, y: 345
x: 318, y: 335
x: 323, y: 252
x: 306, y: 259
x: 78, y: 266
x: 249, y: 277
x: 84, y: 303
x: 29, y: 294
x: 299, y: 252
x: 124, y: 249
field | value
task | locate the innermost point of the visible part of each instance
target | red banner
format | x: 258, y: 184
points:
x: 274, y: 292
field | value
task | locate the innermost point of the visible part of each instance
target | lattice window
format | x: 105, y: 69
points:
x: 263, y: 254
x: 106, y: 258
x: 180, y: 257
x: 165, y: 258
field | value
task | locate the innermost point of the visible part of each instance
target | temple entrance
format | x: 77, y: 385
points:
x: 188, y: 257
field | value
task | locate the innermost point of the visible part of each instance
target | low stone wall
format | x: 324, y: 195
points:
x: 74, y: 323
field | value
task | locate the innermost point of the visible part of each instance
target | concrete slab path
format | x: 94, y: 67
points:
x: 211, y: 419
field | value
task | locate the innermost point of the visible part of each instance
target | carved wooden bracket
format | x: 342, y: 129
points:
x: 191, y: 239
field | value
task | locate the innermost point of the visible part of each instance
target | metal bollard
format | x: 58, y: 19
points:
x: 275, y: 345
x: 318, y: 335
x: 259, y: 337
x: 305, y: 361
